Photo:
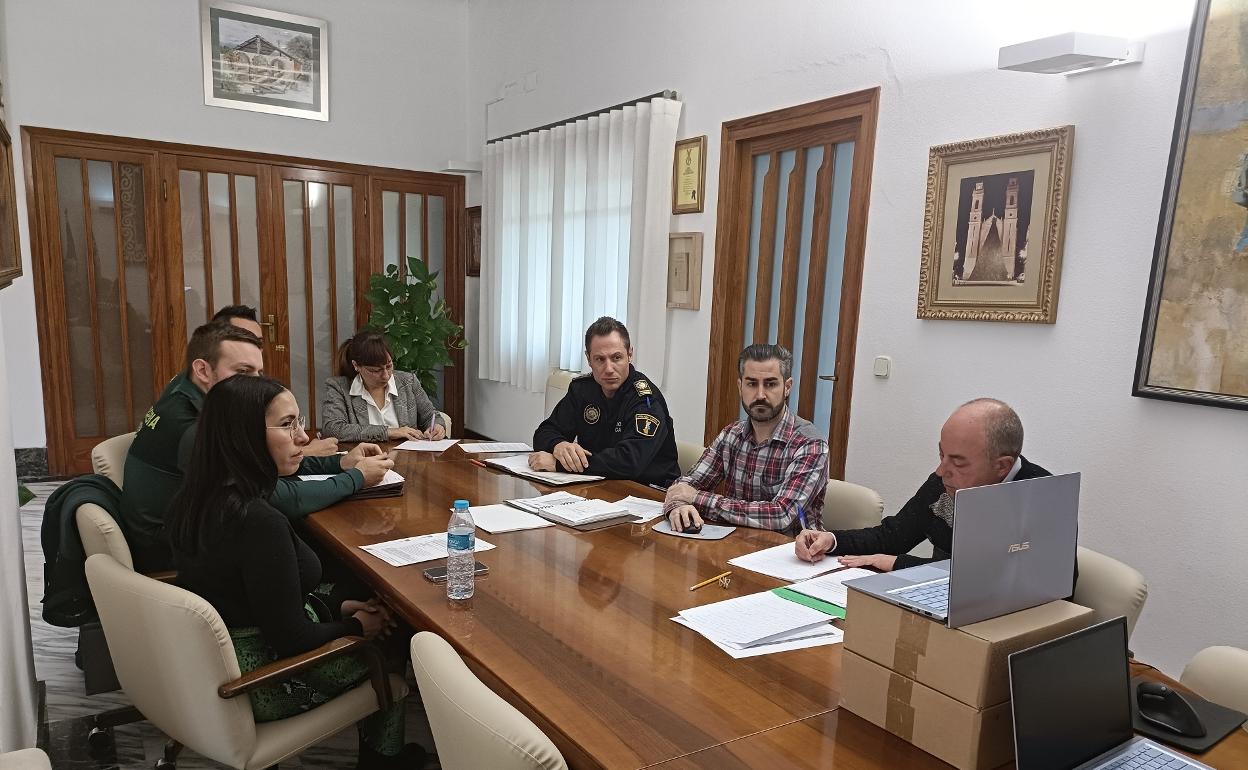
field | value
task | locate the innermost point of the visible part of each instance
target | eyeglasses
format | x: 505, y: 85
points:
x: 297, y: 425
x: 377, y: 371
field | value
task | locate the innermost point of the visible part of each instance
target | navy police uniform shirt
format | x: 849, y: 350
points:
x: 630, y: 435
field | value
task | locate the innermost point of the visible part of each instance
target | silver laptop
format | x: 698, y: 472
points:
x: 1013, y: 548
x: 1071, y: 699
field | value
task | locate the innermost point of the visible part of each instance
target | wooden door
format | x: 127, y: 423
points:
x: 104, y: 331
x: 425, y: 220
x: 321, y: 241
x: 794, y: 186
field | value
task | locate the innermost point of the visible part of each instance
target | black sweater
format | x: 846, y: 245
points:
x: 258, y: 576
x: 913, y: 524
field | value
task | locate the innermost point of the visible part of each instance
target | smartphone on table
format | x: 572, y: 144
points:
x: 438, y: 574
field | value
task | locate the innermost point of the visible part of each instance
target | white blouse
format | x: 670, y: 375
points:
x: 385, y: 415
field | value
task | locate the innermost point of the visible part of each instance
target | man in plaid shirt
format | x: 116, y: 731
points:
x: 775, y: 463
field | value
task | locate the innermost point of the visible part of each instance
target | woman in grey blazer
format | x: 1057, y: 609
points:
x: 370, y: 401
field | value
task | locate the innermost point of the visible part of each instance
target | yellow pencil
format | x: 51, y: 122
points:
x: 708, y: 581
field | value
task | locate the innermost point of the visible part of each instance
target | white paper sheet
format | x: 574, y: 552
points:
x: 501, y: 517
x: 833, y: 635
x: 519, y: 465
x: 645, y: 510
x: 413, y: 550
x: 429, y: 446
x: 752, y: 619
x: 482, y: 447
x: 781, y: 562
x: 831, y: 587
x: 390, y: 478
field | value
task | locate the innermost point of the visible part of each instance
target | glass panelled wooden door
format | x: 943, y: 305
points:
x: 105, y: 352
x: 789, y: 251
x: 322, y: 241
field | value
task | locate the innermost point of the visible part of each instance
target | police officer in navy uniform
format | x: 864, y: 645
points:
x: 613, y: 422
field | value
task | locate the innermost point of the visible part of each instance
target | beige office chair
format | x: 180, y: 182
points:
x: 1219, y: 674
x: 175, y: 660
x: 688, y: 454
x: 446, y: 418
x: 557, y: 387
x: 851, y: 506
x: 1109, y: 588
x: 108, y: 458
x: 472, y: 726
x: 25, y: 759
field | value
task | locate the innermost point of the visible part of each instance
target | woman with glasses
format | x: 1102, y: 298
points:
x: 242, y: 555
x: 370, y: 401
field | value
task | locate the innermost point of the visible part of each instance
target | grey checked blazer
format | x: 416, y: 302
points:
x: 345, y: 417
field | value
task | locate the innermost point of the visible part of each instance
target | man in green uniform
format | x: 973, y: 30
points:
x: 153, y: 470
x: 613, y: 422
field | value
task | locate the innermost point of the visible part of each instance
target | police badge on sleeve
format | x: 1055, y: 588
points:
x: 646, y: 424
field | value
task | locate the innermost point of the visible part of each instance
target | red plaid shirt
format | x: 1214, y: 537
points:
x: 767, y: 482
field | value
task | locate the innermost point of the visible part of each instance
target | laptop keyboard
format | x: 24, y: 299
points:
x: 934, y: 596
x: 1145, y: 757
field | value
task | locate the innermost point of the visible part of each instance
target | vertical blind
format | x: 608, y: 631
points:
x: 574, y: 226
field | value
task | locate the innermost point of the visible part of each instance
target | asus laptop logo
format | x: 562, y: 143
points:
x: 1016, y: 547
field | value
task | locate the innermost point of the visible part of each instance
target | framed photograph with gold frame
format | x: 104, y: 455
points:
x: 993, y: 226
x: 689, y: 175
x: 684, y: 270
x: 473, y: 222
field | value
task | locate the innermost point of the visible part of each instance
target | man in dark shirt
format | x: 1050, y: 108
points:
x: 981, y: 443
x: 613, y: 422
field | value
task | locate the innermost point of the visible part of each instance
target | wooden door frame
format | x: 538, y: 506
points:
x: 857, y: 112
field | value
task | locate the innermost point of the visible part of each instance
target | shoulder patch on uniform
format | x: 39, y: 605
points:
x: 591, y: 414
x: 643, y: 388
x: 646, y: 424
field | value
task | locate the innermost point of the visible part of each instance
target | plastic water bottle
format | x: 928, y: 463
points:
x: 461, y: 561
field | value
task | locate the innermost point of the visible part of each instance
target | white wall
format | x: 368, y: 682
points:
x: 133, y: 68
x: 18, y: 718
x: 1163, y: 483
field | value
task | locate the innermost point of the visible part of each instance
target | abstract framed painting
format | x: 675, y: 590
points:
x: 264, y: 61
x: 993, y: 226
x: 1194, y: 339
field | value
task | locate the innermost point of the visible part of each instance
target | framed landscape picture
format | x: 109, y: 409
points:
x: 1194, y: 340
x: 993, y: 226
x: 264, y: 61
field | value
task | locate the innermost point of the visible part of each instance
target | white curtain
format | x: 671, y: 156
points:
x: 574, y: 226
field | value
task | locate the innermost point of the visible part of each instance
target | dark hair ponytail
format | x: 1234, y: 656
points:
x: 230, y: 464
x: 366, y: 348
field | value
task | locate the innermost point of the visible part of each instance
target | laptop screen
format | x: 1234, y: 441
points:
x: 1071, y: 697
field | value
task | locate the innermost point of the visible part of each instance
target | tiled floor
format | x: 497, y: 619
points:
x: 66, y: 718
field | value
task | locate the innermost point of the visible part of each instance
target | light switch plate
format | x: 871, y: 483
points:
x: 883, y: 367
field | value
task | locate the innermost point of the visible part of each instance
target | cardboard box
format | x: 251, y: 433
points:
x: 965, y: 737
x: 967, y: 663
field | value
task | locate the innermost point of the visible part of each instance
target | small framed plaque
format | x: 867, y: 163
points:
x: 474, y: 241
x: 684, y: 270
x: 689, y: 175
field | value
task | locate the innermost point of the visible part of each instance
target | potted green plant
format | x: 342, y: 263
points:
x: 417, y: 324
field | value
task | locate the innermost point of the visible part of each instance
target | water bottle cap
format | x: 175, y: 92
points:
x: 461, y: 503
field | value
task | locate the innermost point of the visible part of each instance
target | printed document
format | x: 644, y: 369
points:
x: 781, y: 562
x: 412, y: 550
x: 830, y: 635
x: 645, y: 510
x: 501, y: 517
x: 519, y: 465
x: 831, y: 588
x: 482, y: 447
x: 429, y: 446
x: 752, y: 619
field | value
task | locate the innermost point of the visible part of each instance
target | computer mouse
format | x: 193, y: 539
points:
x: 1166, y: 708
x: 691, y: 529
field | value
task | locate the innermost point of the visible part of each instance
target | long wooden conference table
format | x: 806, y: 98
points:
x: 574, y: 629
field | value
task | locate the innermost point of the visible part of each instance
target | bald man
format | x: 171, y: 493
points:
x: 981, y: 443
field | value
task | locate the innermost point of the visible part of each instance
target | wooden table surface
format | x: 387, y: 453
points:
x: 574, y: 629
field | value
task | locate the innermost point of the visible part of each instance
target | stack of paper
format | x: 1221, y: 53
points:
x: 519, y: 465
x: 440, y: 445
x: 482, y: 447
x: 781, y: 562
x: 830, y: 588
x: 504, y: 518
x: 572, y: 510
x: 411, y: 550
x: 758, y: 624
x: 645, y: 510
x: 391, y: 485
